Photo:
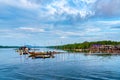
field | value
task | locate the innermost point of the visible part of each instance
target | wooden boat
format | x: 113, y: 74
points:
x: 41, y: 56
x: 38, y: 53
x: 48, y: 54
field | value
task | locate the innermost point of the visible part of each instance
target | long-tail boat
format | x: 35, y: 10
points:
x: 41, y: 54
x: 38, y: 53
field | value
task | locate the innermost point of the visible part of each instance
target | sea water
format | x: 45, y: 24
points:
x: 65, y: 66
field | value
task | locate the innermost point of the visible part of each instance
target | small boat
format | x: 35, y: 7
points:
x: 38, y: 53
x: 41, y: 56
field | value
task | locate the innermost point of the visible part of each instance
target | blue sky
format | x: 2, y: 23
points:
x: 54, y: 22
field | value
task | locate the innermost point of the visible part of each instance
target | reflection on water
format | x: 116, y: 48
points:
x: 65, y: 66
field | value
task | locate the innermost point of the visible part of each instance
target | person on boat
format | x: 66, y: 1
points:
x: 20, y: 51
x: 26, y: 50
x: 50, y: 53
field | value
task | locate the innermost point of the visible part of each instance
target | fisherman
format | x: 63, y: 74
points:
x: 20, y: 50
x: 51, y: 53
x: 26, y: 50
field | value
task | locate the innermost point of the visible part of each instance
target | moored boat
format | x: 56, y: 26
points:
x: 41, y: 56
x: 38, y: 53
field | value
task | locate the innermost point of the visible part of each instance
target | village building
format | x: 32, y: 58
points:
x: 97, y: 48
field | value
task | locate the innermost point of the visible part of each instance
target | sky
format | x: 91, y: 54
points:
x: 56, y: 22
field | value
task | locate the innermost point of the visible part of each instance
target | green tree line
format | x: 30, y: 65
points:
x: 85, y: 45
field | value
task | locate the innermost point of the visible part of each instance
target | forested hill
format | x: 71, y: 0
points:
x: 85, y: 45
x: 21, y: 46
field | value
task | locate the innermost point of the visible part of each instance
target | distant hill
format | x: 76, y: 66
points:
x: 30, y: 46
x: 9, y: 46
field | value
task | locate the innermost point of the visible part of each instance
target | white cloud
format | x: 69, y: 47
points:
x: 63, y: 8
x: 84, y: 13
x: 63, y: 37
x: 4, y: 30
x: 30, y: 29
x: 66, y: 34
x: 56, y: 8
x: 89, y: 1
x: 26, y: 4
x: 113, y: 22
x: 61, y: 19
x: 107, y: 8
x: 12, y: 33
x: 94, y: 29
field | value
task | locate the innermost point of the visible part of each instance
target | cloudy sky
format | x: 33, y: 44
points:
x: 51, y: 22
